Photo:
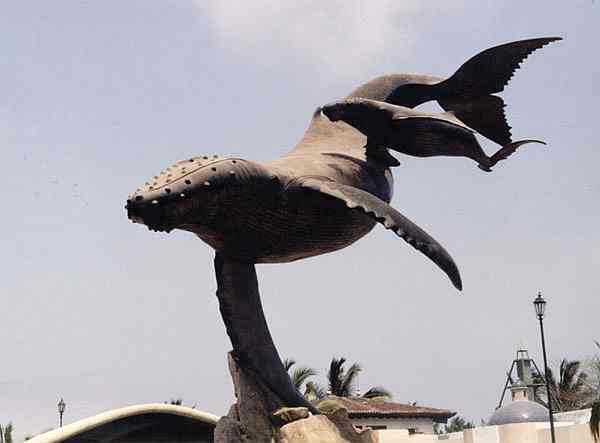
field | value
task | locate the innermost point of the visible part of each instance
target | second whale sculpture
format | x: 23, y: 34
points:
x: 329, y: 191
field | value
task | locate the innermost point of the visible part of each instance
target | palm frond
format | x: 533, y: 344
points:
x: 592, y: 380
x: 335, y: 375
x: 301, y: 374
x: 349, y: 380
x: 314, y: 391
x: 457, y: 424
x: 568, y: 374
x: 541, y: 395
x: 288, y: 363
x: 175, y: 401
x: 377, y: 391
x: 7, y: 433
x: 573, y: 389
x: 595, y: 421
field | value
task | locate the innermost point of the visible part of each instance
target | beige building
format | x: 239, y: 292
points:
x: 169, y: 423
x: 379, y: 414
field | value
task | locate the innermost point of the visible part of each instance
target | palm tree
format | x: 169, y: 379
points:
x: 571, y: 391
x: 594, y: 368
x: 300, y: 377
x: 595, y: 420
x: 314, y: 391
x: 456, y: 424
x: 175, y: 401
x: 342, y: 382
x: 378, y: 392
x: 6, y: 433
x: 300, y: 374
x: 178, y: 402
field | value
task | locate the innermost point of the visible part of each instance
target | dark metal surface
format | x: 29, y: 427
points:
x: 325, y: 194
x: 415, y: 133
x: 547, y: 380
x: 241, y: 309
x: 467, y: 93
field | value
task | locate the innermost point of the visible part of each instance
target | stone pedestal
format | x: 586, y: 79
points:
x: 259, y: 417
x: 331, y: 428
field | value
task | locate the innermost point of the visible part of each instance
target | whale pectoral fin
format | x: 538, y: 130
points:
x: 509, y: 149
x: 390, y: 218
x: 436, y: 135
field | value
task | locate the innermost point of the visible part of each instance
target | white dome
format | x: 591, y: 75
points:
x: 520, y: 411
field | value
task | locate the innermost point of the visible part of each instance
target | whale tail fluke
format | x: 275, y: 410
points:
x: 468, y: 92
x: 490, y: 71
x: 484, y: 114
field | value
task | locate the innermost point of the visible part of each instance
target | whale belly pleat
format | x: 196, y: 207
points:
x: 279, y: 228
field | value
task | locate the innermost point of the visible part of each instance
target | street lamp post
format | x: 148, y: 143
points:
x: 61, y: 410
x: 540, y: 308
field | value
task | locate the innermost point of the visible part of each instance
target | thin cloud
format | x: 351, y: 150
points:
x: 333, y: 34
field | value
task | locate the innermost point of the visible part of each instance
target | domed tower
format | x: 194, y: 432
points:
x: 521, y: 409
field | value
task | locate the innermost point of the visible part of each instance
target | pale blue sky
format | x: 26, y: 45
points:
x: 97, y: 96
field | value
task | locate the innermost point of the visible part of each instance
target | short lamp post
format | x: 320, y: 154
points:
x: 61, y: 410
x: 540, y: 308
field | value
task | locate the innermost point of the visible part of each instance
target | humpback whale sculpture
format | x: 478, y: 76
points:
x: 329, y: 191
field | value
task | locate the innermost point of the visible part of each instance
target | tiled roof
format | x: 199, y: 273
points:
x: 378, y: 408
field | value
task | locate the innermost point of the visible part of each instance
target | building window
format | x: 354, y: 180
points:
x: 377, y: 427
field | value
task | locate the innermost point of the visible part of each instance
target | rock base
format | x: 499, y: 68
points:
x: 260, y: 417
x: 330, y: 428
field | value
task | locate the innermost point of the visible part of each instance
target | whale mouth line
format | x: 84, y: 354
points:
x: 157, y: 218
x: 159, y: 229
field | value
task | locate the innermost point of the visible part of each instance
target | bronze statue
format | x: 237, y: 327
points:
x: 329, y: 191
x: 414, y: 133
